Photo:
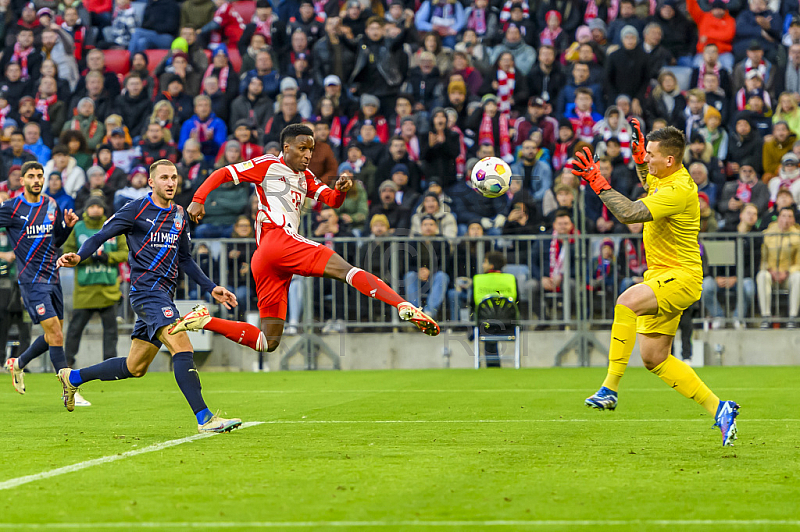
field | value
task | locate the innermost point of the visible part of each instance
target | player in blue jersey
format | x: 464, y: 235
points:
x: 159, y: 243
x: 38, y: 228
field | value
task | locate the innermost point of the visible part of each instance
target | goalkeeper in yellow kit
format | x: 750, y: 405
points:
x: 673, y: 281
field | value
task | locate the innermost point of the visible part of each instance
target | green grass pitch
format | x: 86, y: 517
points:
x: 405, y: 450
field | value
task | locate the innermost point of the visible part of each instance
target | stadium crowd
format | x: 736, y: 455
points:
x: 405, y: 96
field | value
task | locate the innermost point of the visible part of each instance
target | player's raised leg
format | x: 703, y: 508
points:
x: 372, y: 286
x: 636, y: 301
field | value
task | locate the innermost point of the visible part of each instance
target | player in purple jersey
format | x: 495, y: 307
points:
x: 159, y: 243
x: 38, y: 228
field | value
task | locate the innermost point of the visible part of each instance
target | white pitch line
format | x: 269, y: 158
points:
x: 462, y: 391
x: 387, y: 523
x: 14, y: 482
x: 468, y: 421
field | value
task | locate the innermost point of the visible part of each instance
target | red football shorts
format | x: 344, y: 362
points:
x: 279, y: 256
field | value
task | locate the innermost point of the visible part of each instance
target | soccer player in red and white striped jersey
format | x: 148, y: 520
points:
x: 282, y: 184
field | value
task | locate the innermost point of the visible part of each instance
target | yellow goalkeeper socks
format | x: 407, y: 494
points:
x: 681, y: 376
x: 623, y: 336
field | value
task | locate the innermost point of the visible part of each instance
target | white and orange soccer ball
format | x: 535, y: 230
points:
x: 491, y: 177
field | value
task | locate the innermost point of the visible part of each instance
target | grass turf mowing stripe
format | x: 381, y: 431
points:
x: 443, y: 524
x: 14, y: 482
x: 603, y: 420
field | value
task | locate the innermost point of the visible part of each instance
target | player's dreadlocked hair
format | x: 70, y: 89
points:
x: 671, y: 141
x: 292, y: 131
x: 31, y: 165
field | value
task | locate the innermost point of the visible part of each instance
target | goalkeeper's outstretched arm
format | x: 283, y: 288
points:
x: 626, y: 211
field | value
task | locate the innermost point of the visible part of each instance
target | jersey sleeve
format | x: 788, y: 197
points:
x: 252, y: 171
x: 6, y: 211
x: 667, y: 201
x: 319, y: 191
x: 189, y: 266
x: 120, y: 223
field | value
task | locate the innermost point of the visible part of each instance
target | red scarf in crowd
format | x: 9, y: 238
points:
x: 744, y: 192
x: 78, y: 33
x: 486, y: 132
x: 21, y: 56
x: 635, y: 256
x: 702, y: 72
x: 75, y: 125
x: 265, y: 29
x: 222, y: 76
x: 477, y: 21
x: 505, y: 90
x: 204, y: 130
x: 557, y: 255
x: 43, y: 105
x: 3, y: 115
x: 461, y: 160
x: 110, y: 171
x: 335, y: 136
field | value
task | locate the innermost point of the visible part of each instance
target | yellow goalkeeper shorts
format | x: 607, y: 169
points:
x: 676, y: 290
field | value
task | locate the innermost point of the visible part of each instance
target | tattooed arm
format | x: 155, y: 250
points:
x: 641, y: 172
x: 626, y: 211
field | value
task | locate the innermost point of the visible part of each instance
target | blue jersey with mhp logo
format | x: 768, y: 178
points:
x: 38, y: 231
x: 159, y: 243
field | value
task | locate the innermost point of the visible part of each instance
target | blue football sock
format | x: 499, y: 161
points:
x: 189, y: 381
x: 113, y: 369
x: 37, y: 348
x: 57, y: 357
x: 203, y: 416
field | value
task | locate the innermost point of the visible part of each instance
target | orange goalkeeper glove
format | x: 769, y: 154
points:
x: 583, y: 166
x: 637, y: 142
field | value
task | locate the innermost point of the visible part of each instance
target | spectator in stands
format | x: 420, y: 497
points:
x: 48, y: 103
x: 398, y: 216
x: 164, y: 115
x: 97, y: 281
x: 553, y: 34
x: 582, y: 116
x: 95, y: 186
x: 716, y: 97
x: 134, y: 105
x: 791, y: 76
x: 631, y: 259
x: 371, y: 146
x: 523, y: 55
x: 221, y: 69
x: 405, y: 196
x: 440, y: 151
x: 427, y: 263
x: 470, y: 206
x: 456, y: 100
x: 715, y: 27
x: 34, y: 143
x: 625, y: 17
x: 204, y: 127
x: 787, y: 111
x: 12, y: 86
x: 140, y: 66
x: 73, y: 32
x: 788, y: 177
x: 288, y: 115
x: 748, y: 189
x: 193, y: 166
x: 247, y: 136
x: 523, y: 219
x: 220, y: 105
x: 726, y: 278
x: 679, y: 33
x: 383, y: 76
x: 72, y: 175
x: 270, y: 79
x: 136, y: 189
x: 179, y: 101
x: 472, y: 78
x: 355, y: 209
x: 267, y: 24
x: 96, y: 62
x: 553, y: 267
x: 580, y: 79
x: 113, y: 122
x: 701, y: 151
x: 330, y: 56
x: 57, y: 192
x: 197, y: 13
x: 508, y: 83
x: 759, y: 26
x: 27, y: 113
x: 537, y: 177
x: 24, y: 53
x: 614, y: 126
x: 87, y: 123
x: 775, y: 148
x: 431, y: 206
x: 323, y: 164
x: 780, y: 265
x: 714, y: 134
x: 423, y: 82
x: 115, y: 177
x: 154, y: 147
x: 159, y: 27
x: 124, y: 23
x: 694, y: 113
x: 628, y: 71
x: 308, y: 22
x: 95, y: 91
x: 699, y: 174
x: 361, y: 167
x: 76, y: 147
x: 755, y: 61
x: 15, y: 154
x: 746, y: 145
x: 708, y: 218
x: 397, y: 154
x: 444, y: 17
x: 298, y: 45
x: 369, y: 110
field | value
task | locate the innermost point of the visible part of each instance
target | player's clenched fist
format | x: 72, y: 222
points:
x: 344, y: 183
x: 583, y: 166
x: 68, y: 260
x: 196, y: 211
x: 637, y: 142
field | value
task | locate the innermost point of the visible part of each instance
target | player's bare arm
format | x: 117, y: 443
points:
x: 626, y: 211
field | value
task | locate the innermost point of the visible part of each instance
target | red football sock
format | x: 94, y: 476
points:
x: 373, y: 286
x: 239, y: 332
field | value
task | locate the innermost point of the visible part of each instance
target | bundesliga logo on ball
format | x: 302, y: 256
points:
x: 491, y: 177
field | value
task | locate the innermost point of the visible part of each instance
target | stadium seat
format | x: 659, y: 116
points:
x: 682, y: 74
x: 118, y: 61
x: 497, y: 320
x: 246, y: 9
x: 154, y: 57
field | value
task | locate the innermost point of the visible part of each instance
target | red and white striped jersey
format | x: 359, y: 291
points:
x: 281, y: 191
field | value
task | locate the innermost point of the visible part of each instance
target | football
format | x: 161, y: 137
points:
x: 491, y: 176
